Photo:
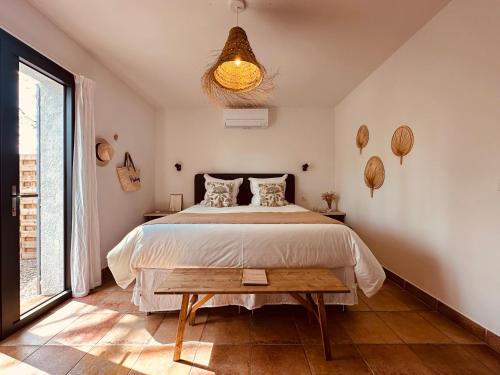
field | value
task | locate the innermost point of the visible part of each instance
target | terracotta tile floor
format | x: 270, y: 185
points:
x: 103, y: 333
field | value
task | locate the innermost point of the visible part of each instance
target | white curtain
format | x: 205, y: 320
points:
x: 85, y: 245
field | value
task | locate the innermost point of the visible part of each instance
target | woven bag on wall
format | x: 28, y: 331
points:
x: 129, y: 175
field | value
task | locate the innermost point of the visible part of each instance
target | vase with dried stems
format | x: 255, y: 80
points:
x: 330, y: 197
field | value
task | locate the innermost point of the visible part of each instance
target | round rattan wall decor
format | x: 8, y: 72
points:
x: 362, y: 137
x: 402, y: 142
x: 374, y: 174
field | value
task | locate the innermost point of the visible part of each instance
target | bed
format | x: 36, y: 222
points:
x: 148, y: 251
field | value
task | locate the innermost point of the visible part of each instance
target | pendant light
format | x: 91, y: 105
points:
x: 237, y: 79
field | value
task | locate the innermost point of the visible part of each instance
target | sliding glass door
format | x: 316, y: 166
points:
x: 36, y: 128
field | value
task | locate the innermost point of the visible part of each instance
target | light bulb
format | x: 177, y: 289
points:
x: 237, y: 61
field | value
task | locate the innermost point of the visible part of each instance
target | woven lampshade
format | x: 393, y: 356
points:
x: 237, y: 68
x: 237, y: 78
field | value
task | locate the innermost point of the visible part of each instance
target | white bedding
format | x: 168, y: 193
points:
x: 166, y: 246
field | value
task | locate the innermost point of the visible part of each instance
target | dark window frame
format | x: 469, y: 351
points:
x: 12, y: 52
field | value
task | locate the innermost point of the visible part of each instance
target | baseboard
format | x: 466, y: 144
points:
x: 484, y: 334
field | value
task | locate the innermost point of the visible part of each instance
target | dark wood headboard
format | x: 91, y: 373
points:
x: 244, y: 195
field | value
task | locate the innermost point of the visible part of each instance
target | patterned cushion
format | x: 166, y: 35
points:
x: 272, y: 194
x: 219, y: 194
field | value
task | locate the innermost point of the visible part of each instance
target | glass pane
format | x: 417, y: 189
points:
x: 41, y: 180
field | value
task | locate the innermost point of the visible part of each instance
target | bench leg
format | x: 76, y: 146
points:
x: 180, y: 327
x: 195, y: 306
x: 192, y: 302
x: 324, y: 327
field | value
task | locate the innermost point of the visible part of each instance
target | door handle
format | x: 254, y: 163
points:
x: 13, y: 209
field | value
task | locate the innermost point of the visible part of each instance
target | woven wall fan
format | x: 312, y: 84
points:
x: 237, y: 78
x: 374, y: 174
x: 362, y: 137
x: 402, y: 142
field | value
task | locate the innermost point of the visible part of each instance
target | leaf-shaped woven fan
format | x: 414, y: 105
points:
x: 362, y: 137
x: 402, y: 142
x: 374, y: 174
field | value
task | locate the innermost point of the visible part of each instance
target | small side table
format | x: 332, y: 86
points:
x: 156, y: 214
x: 337, y: 215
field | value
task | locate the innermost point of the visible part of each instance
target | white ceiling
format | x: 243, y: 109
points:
x: 321, y: 49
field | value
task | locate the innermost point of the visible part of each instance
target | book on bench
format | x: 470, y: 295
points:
x: 253, y: 276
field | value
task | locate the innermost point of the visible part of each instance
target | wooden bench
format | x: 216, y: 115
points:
x: 191, y: 282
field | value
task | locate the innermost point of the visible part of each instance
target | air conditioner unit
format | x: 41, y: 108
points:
x: 245, y: 118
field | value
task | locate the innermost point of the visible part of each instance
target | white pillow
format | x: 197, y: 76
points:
x: 254, y: 186
x: 237, y: 182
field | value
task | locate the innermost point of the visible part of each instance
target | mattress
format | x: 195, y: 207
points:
x: 148, y: 249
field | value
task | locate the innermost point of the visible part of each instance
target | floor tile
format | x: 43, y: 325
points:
x: 273, y: 329
x: 462, y: 320
x: 133, y: 329
x: 78, y: 307
x: 88, y: 329
x: 310, y: 333
x: 11, y: 356
x: 283, y: 309
x: 279, y: 359
x: 167, y: 330
x: 393, y: 299
x: 119, y: 302
x: 486, y: 356
x: 54, y: 360
x: 390, y: 285
x: 450, y: 359
x: 360, y: 306
x: 393, y: 360
x: 227, y: 329
x: 158, y: 360
x: 384, y: 301
x: 413, y: 329
x: 221, y: 359
x: 345, y: 360
x: 367, y: 328
x: 221, y: 341
x: 108, y: 359
x: 450, y: 329
x: 413, y: 303
x: 41, y: 331
x: 493, y: 340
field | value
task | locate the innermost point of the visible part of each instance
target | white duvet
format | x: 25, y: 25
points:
x: 166, y: 246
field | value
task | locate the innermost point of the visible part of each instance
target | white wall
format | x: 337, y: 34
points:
x: 436, y: 220
x: 197, y: 139
x: 118, y: 110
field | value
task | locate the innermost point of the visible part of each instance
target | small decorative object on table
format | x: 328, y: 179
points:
x: 330, y: 197
x: 175, y: 202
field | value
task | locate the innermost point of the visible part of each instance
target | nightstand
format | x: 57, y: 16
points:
x: 337, y: 215
x: 156, y: 214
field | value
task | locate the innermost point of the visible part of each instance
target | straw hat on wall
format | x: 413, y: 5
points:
x: 104, y: 152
